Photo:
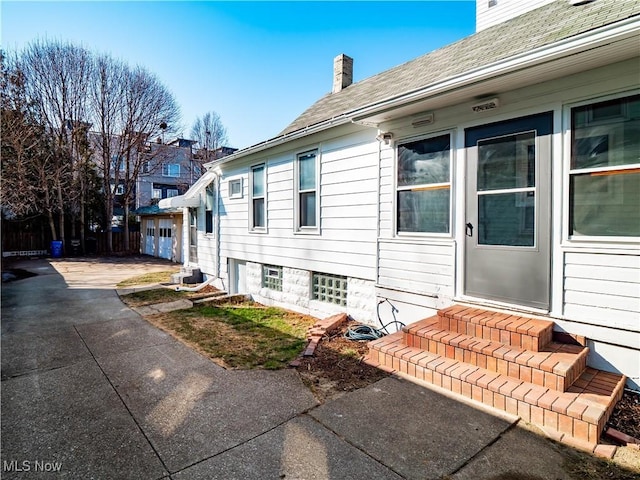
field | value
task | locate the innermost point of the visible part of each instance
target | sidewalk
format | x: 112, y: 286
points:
x: 90, y: 387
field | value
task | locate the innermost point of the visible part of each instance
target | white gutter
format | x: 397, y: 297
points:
x: 563, y: 48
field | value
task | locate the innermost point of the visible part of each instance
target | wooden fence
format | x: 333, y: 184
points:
x: 21, y: 243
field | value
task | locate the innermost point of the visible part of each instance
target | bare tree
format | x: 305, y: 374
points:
x: 210, y: 134
x: 149, y: 109
x: 107, y: 97
x: 57, y: 77
x: 26, y: 153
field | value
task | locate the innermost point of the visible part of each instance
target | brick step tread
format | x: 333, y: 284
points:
x: 508, y: 321
x: 507, y: 328
x: 557, y: 358
x: 580, y: 412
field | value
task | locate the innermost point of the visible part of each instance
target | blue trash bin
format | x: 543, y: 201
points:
x: 56, y: 248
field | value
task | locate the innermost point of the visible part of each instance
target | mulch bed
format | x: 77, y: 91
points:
x: 337, y: 366
x: 626, y: 415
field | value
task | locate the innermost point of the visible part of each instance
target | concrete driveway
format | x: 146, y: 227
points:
x: 91, y: 390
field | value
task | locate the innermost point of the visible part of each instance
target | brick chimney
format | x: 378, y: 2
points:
x: 342, y: 72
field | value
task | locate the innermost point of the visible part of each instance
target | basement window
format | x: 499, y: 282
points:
x: 272, y: 277
x: 330, y: 288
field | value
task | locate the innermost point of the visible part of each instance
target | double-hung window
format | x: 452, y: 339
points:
x: 258, y: 212
x: 307, y: 191
x: 424, y: 185
x: 171, y: 170
x: 604, y: 176
x: 209, y: 201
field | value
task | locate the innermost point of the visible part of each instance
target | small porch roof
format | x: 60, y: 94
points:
x: 191, y: 198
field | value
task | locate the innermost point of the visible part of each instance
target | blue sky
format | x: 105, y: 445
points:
x: 258, y: 64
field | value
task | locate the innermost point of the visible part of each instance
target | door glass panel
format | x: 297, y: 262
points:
x: 507, y: 162
x: 506, y: 219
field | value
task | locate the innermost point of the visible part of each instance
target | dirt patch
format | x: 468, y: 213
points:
x: 626, y: 415
x: 337, y: 366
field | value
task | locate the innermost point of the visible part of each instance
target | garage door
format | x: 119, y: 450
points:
x: 164, y: 242
x: 150, y: 237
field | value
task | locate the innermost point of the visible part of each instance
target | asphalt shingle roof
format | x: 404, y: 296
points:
x: 538, y: 28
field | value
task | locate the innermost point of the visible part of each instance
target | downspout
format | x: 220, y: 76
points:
x: 218, y: 230
x: 379, y: 179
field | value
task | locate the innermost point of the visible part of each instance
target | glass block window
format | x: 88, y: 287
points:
x: 330, y: 288
x: 424, y: 185
x: 272, y: 277
x: 604, y: 179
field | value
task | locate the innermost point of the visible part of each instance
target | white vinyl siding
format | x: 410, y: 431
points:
x: 347, y: 203
x: 603, y: 289
x: 503, y: 10
x: 421, y: 268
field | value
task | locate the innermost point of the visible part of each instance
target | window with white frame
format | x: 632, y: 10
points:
x: 235, y: 188
x: 424, y: 185
x: 604, y: 175
x: 120, y: 189
x: 171, y: 170
x: 156, y: 193
x: 329, y: 288
x: 172, y: 192
x: 307, y: 191
x: 257, y: 202
x: 209, y: 201
x: 272, y: 277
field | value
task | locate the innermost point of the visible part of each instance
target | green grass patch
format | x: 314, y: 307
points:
x: 241, y: 336
x: 152, y: 277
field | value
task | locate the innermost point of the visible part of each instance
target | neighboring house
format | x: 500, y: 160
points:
x: 501, y: 170
x: 169, y: 172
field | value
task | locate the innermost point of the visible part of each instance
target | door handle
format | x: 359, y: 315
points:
x: 469, y: 229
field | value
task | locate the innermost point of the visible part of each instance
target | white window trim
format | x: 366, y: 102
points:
x: 589, y: 242
x: 234, y: 181
x: 452, y: 165
x: 213, y: 185
x: 252, y: 227
x: 156, y: 193
x: 299, y: 229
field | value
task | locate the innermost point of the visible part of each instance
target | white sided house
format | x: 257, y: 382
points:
x: 501, y: 171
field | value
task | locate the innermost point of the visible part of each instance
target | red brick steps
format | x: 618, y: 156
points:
x: 547, y: 384
x: 555, y: 365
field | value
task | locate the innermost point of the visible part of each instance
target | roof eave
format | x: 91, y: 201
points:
x: 562, y: 48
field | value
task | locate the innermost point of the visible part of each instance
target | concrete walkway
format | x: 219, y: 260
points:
x: 91, y: 390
